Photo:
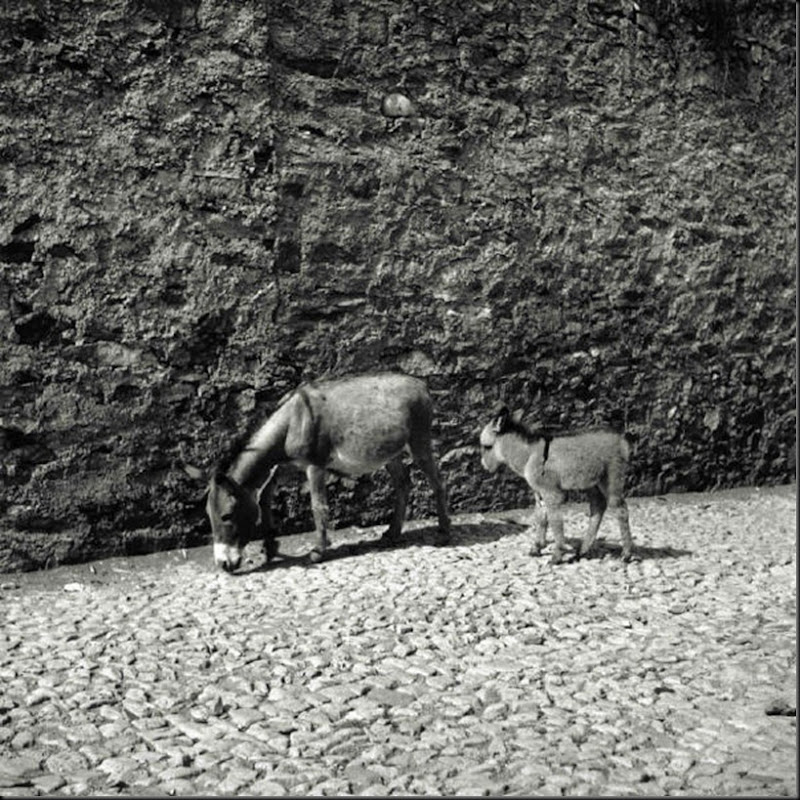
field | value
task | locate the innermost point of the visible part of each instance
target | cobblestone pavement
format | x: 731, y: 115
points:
x: 471, y: 669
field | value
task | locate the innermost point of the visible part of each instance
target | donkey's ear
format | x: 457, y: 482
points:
x: 195, y: 473
x: 517, y: 415
x: 225, y: 482
x: 500, y: 420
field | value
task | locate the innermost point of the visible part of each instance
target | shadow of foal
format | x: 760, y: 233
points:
x: 465, y: 534
x: 603, y: 549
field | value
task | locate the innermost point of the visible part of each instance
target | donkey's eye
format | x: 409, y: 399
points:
x: 226, y: 517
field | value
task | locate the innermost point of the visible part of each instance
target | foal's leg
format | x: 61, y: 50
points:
x: 539, y: 525
x: 401, y: 480
x: 319, y: 507
x: 553, y: 501
x: 597, y: 507
x: 424, y: 458
x: 618, y: 504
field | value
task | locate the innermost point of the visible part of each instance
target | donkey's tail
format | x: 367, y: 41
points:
x: 625, y: 446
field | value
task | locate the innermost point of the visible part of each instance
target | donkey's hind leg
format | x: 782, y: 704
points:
x: 319, y: 507
x: 597, y: 507
x: 401, y: 481
x: 423, y: 457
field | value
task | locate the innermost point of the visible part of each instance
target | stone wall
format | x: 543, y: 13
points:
x: 590, y: 214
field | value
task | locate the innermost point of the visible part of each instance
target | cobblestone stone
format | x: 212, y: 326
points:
x: 472, y: 669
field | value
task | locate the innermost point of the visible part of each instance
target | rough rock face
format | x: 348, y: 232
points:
x: 583, y: 209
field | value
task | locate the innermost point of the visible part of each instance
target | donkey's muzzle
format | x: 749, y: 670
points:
x: 226, y: 557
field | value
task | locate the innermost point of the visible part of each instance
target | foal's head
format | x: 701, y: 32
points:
x: 490, y: 458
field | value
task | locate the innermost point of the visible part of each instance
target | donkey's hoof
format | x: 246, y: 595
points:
x: 536, y: 550
x: 389, y: 538
x: 316, y: 556
x: 556, y: 558
x: 441, y: 538
x: 386, y: 544
x: 628, y: 557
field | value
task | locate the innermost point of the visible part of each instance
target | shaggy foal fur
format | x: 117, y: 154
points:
x: 594, y: 460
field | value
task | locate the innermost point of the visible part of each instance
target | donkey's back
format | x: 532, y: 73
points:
x: 370, y: 398
x: 368, y: 419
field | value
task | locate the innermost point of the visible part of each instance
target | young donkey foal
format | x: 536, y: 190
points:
x: 350, y: 426
x: 593, y: 459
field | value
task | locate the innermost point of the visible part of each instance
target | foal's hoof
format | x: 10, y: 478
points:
x: 316, y: 556
x: 441, y: 538
x: 556, y: 558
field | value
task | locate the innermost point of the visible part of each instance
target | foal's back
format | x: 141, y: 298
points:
x: 582, y: 460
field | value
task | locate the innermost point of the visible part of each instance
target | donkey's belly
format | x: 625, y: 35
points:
x: 355, y: 464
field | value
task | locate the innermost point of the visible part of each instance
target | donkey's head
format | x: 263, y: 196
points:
x: 234, y: 515
x: 490, y: 457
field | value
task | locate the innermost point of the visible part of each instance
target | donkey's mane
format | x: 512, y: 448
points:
x: 535, y: 434
x: 235, y: 449
x: 239, y: 443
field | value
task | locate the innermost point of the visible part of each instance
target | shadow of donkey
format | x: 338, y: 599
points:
x: 465, y: 534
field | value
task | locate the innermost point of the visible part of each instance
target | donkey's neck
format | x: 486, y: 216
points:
x: 516, y: 450
x: 253, y: 467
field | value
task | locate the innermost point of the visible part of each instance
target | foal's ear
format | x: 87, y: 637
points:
x: 500, y: 420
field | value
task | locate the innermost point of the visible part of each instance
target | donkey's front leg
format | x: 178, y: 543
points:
x: 319, y: 507
x: 267, y: 528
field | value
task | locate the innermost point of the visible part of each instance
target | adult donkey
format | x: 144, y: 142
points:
x: 351, y: 426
